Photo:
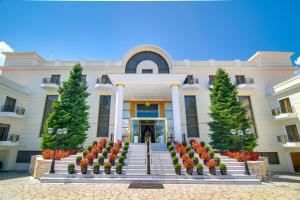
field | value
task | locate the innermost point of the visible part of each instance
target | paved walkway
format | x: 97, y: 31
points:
x: 21, y: 187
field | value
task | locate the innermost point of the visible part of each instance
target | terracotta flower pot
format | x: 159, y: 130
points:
x: 212, y: 171
x: 83, y: 170
x: 189, y: 171
x: 107, y: 170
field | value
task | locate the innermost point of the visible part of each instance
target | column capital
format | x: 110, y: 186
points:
x: 120, y: 84
x: 174, y: 85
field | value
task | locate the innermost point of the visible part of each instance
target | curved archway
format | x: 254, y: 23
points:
x: 133, y: 62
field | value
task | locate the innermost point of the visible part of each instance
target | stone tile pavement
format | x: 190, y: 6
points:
x: 22, y: 187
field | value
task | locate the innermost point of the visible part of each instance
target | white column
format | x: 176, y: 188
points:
x: 176, y: 112
x: 118, y: 112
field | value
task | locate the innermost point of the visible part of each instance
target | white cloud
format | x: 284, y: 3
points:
x: 4, y: 48
x: 297, y: 61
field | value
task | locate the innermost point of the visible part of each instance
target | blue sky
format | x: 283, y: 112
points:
x: 227, y: 30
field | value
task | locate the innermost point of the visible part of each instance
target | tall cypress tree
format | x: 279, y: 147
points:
x: 70, y: 111
x: 227, y: 113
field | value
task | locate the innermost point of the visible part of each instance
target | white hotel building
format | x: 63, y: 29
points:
x: 148, y: 90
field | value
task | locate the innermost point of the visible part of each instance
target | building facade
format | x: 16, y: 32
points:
x: 145, y: 91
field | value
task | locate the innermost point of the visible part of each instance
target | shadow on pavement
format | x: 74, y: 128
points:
x: 4, y: 175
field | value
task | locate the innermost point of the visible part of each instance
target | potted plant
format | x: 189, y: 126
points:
x: 195, y: 160
x: 127, y: 143
x: 111, y: 143
x: 124, y: 152
x: 188, y: 148
x: 202, y: 144
x: 96, y: 151
x: 71, y: 168
x: 170, y: 148
x: 191, y: 153
x: 90, y: 147
x: 85, y: 151
x: 211, y: 164
x: 199, y: 168
x: 101, y: 160
x: 119, y: 143
x: 175, y: 160
x: 96, y: 168
x: 184, y: 158
x: 169, y: 143
x: 125, y: 147
x: 189, y: 165
x: 78, y: 159
x: 114, y: 150
x: 173, y: 153
x: 95, y: 142
x: 121, y: 160
x: 182, y: 151
x: 184, y: 143
x: 223, y: 169
x: 119, y: 168
x: 206, y: 148
x: 217, y: 159
x: 205, y: 157
x: 104, y: 153
x: 112, y: 158
x: 90, y: 157
x: 211, y: 153
x: 108, y: 148
x: 178, y: 169
x: 107, y: 166
x: 84, y: 165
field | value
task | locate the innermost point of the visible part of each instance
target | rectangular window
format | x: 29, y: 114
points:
x: 285, y: 105
x: 246, y: 103
x: 25, y: 156
x: 147, y: 71
x: 212, y: 79
x: 4, y: 130
x: 292, y: 132
x: 84, y: 82
x: 144, y: 110
x: 240, y: 79
x: 191, y: 116
x: 126, y: 110
x: 47, y: 110
x: 9, y: 105
x: 272, y: 157
x: 169, y: 116
x: 55, y: 78
x: 104, y: 115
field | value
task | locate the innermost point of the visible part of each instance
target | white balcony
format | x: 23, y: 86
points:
x: 50, y: 84
x: 287, y: 114
x: 103, y: 83
x: 9, y: 111
x: 13, y: 142
x: 284, y: 141
x: 191, y: 83
x: 247, y: 83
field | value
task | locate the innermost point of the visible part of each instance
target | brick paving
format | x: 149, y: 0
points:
x: 22, y: 187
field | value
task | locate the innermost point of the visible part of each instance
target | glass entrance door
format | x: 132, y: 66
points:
x: 157, y: 127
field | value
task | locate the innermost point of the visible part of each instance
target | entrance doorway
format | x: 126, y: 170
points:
x: 147, y: 126
x: 296, y: 161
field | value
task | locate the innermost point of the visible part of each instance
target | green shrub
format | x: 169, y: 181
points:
x: 173, y: 153
x: 211, y: 153
x: 108, y: 147
x: 171, y: 148
x: 125, y: 147
x: 111, y: 143
x: 184, y: 143
x: 127, y: 143
x: 101, y: 159
x: 223, y: 166
x: 188, y: 148
x: 105, y: 152
x: 202, y: 144
x: 195, y: 159
x: 90, y: 147
x: 96, y: 166
x: 121, y: 158
x: 71, y: 167
x: 217, y: 159
x: 168, y: 143
x: 119, y: 166
x: 177, y: 166
x: 199, y: 166
x: 175, y: 159
x: 124, y: 152
x: 78, y: 158
x: 206, y: 148
x: 95, y: 142
x: 191, y: 153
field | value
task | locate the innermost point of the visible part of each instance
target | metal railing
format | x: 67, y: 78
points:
x: 103, y: 80
x: 13, y: 138
x: 191, y: 81
x: 283, y: 139
x: 246, y: 81
x: 147, y: 152
x: 51, y: 81
x: 279, y: 110
x: 16, y: 109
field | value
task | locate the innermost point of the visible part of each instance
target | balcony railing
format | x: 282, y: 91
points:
x: 15, y: 109
x: 277, y: 111
x: 191, y: 81
x: 283, y: 139
x: 245, y: 81
x: 51, y: 81
x: 103, y: 80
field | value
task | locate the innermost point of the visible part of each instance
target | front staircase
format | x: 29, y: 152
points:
x: 161, y: 168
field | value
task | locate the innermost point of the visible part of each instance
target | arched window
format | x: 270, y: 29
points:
x: 133, y: 62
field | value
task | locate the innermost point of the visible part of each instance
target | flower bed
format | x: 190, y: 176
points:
x: 251, y: 156
x: 48, y: 154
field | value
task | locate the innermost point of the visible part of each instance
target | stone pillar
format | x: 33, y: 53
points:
x: 119, y: 111
x: 176, y: 112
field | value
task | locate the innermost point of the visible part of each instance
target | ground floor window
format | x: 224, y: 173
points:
x: 25, y: 156
x: 272, y: 157
x: 104, y: 114
x: 191, y: 116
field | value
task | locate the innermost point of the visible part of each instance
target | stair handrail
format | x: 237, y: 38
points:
x: 147, y: 157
